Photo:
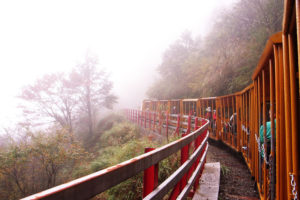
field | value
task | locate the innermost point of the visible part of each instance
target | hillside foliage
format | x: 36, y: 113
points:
x: 71, y: 100
x: 223, y: 61
x: 43, y: 159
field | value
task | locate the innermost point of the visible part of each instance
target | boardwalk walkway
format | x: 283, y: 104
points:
x: 209, y: 183
x: 236, y: 181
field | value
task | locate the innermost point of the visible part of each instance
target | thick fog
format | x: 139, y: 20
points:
x: 128, y: 37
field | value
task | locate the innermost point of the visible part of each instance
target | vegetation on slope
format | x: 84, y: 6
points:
x: 223, y: 61
x: 40, y: 161
x: 63, y: 136
x: 125, y: 141
x: 48, y: 158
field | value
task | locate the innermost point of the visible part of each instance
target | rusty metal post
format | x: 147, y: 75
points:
x: 281, y: 131
x: 264, y: 134
x: 272, y: 163
x: 150, y: 177
x: 277, y: 100
x: 258, y: 135
x: 294, y: 110
x: 287, y: 109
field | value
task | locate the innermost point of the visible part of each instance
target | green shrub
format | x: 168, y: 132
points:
x: 123, y: 142
x: 119, y: 134
x: 109, y: 121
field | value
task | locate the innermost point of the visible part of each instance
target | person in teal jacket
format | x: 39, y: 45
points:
x: 268, y: 133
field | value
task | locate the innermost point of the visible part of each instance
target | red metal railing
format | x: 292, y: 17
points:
x: 178, y: 124
x: 181, y: 181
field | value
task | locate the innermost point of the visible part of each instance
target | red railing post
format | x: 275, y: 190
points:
x: 167, y: 124
x: 134, y: 116
x: 150, y: 177
x: 132, y: 111
x: 137, y: 116
x: 188, y: 132
x: 145, y: 119
x: 154, y: 121
x: 160, y: 123
x: 181, y: 184
x: 140, y: 118
x: 189, y: 125
x: 175, y: 192
x: 149, y: 116
x: 197, y: 144
x: 184, y: 157
x: 178, y: 125
x: 196, y: 123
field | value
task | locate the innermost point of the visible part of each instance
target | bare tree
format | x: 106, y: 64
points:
x: 51, y: 97
x: 93, y: 89
x: 69, y: 98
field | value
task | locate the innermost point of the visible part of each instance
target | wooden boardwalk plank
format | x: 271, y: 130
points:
x: 209, y: 183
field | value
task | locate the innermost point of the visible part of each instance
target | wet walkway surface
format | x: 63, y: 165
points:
x: 236, y: 181
x: 209, y: 183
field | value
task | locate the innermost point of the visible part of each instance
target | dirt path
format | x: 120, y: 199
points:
x: 236, y: 181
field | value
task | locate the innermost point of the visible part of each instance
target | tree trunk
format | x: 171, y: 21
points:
x: 89, y: 110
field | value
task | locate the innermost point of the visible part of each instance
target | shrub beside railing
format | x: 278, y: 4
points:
x: 180, y: 182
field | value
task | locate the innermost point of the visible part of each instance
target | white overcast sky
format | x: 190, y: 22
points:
x: 128, y: 36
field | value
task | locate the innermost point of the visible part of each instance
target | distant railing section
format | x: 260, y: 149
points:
x: 163, y: 123
x: 182, y: 182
